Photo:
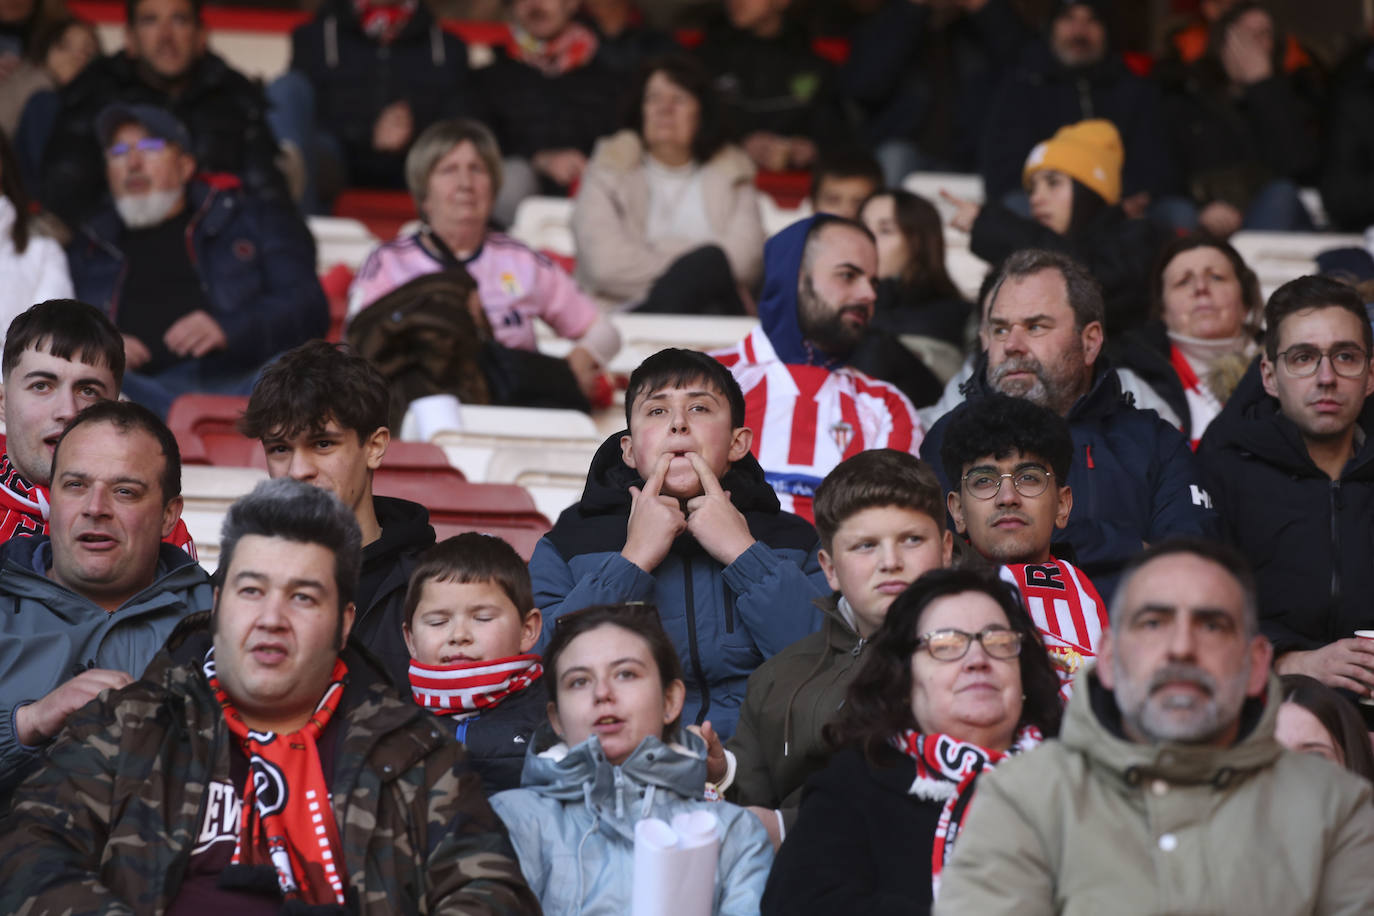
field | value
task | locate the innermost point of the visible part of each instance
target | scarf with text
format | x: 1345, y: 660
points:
x: 947, y: 770
x: 467, y: 688
x: 571, y: 48
x: 287, y: 820
x: 382, y: 22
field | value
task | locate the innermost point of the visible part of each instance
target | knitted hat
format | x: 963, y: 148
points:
x: 1089, y: 152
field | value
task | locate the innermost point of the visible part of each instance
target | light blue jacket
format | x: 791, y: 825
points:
x: 572, y: 823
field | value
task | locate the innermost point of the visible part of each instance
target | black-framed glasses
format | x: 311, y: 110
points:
x: 143, y: 145
x: 1303, y: 360
x: 951, y: 645
x: 1029, y: 481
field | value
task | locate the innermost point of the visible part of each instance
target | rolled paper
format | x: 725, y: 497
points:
x: 675, y: 866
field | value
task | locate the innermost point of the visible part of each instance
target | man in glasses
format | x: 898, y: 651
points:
x: 1008, y: 461
x: 1134, y: 479
x: 1290, y: 463
x: 205, y: 282
x: 1166, y: 791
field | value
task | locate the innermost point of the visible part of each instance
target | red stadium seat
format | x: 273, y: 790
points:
x: 383, y: 212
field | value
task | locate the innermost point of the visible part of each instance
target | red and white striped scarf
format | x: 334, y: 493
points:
x: 947, y: 769
x: 1069, y: 613
x: 467, y: 688
x: 287, y: 818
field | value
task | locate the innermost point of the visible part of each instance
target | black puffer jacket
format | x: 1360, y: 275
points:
x: 1348, y: 177
x: 223, y: 110
x: 1310, y: 539
x: 387, y: 564
x: 530, y: 112
x: 355, y: 78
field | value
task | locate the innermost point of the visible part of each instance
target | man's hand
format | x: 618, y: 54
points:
x: 965, y: 211
x: 194, y: 335
x: 1220, y: 219
x: 39, y: 721
x: 393, y: 128
x: 713, y: 520
x: 136, y: 353
x: 655, y: 520
x: 564, y: 166
x: 1345, y: 663
x: 716, y: 765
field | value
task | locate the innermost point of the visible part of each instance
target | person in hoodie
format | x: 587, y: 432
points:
x: 677, y: 513
x: 1135, y: 481
x: 1166, y: 791
x: 365, y: 80
x: 470, y: 626
x: 1290, y: 465
x: 881, y: 517
x: 87, y: 607
x: 808, y: 408
x: 611, y: 754
x: 321, y: 414
x: 1074, y: 182
x: 1071, y: 76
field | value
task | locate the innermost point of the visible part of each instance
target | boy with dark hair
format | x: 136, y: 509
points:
x: 843, y: 179
x: 1007, y: 460
x: 880, y: 515
x: 470, y: 625
x: 677, y: 513
x: 60, y: 356
x: 321, y: 413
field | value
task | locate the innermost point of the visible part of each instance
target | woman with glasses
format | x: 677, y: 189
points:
x: 956, y: 680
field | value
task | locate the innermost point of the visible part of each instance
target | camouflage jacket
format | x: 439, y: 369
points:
x: 108, y: 825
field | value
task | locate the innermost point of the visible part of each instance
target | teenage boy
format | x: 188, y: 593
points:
x: 677, y: 513
x: 470, y: 626
x: 321, y: 413
x: 1007, y: 460
x: 881, y: 520
x: 843, y: 179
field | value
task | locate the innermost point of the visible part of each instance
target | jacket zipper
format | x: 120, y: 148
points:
x: 1335, y: 540
x: 693, y: 651
x: 729, y: 607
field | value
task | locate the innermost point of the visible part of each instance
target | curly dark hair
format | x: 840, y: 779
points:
x: 878, y: 703
x: 998, y: 425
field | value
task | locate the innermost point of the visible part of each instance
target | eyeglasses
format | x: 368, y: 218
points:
x: 1028, y: 481
x: 145, y: 145
x: 952, y: 645
x: 1303, y: 360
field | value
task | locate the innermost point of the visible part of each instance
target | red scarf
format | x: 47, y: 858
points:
x: 287, y: 819
x: 1069, y: 613
x: 947, y: 769
x: 382, y: 22
x: 467, y: 688
x: 571, y: 48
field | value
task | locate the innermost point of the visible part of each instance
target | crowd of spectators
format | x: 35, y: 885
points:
x: 921, y: 604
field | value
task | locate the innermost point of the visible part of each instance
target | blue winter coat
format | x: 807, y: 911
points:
x: 256, y: 262
x: 572, y: 824
x: 723, y: 620
x: 1134, y: 478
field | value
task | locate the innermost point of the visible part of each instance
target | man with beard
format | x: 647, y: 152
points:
x: 1166, y: 791
x: 1290, y: 462
x: 1134, y: 479
x: 205, y: 282
x: 808, y: 409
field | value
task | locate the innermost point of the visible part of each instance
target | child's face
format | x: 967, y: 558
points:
x: 609, y: 686
x: 877, y: 552
x: 681, y: 420
x: 466, y: 622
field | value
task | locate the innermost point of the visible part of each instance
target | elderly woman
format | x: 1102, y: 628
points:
x: 956, y: 680
x: 454, y: 172
x: 667, y: 210
x: 1208, y: 306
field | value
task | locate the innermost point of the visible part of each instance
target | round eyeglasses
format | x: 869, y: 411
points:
x: 1028, y: 481
x: 952, y: 645
x: 1303, y: 360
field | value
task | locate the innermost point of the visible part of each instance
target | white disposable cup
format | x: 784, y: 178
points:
x: 1365, y: 634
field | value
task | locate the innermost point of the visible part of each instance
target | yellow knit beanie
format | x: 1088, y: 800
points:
x: 1089, y: 152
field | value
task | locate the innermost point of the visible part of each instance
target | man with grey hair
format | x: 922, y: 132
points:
x: 262, y: 763
x: 1134, y: 478
x: 1166, y: 791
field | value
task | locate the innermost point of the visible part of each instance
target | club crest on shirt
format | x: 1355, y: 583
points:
x: 509, y: 285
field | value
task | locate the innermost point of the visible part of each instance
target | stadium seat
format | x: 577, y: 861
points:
x: 383, y: 212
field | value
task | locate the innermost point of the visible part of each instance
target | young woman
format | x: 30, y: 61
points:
x: 612, y: 754
x: 1315, y: 719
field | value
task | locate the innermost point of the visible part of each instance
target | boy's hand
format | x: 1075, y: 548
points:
x: 655, y: 520
x: 713, y: 520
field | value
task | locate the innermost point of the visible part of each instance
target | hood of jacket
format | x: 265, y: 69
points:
x: 178, y: 577
x: 583, y: 773
x: 1252, y: 422
x: 405, y: 529
x: 597, y: 522
x: 1092, y: 727
x: 782, y: 259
